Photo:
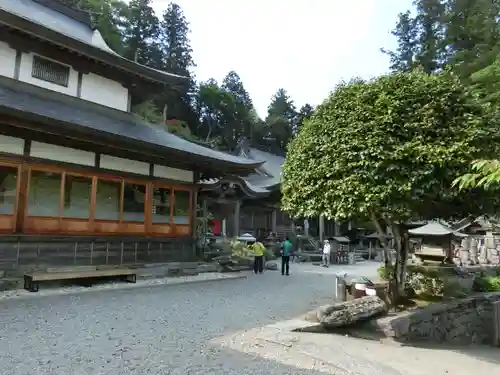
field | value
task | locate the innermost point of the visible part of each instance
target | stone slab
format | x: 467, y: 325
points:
x: 344, y: 355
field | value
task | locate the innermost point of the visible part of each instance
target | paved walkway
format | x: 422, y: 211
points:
x: 342, y: 355
x: 153, y: 329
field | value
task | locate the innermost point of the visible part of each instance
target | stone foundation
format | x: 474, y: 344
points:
x: 465, y: 321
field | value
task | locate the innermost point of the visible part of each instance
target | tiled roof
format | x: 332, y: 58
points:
x: 46, y: 14
x: 28, y: 99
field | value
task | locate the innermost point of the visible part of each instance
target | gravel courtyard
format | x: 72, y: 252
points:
x: 156, y: 330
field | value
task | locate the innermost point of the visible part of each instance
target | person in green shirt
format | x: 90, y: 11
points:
x: 286, y: 251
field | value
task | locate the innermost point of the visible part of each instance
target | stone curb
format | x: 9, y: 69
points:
x: 4, y: 296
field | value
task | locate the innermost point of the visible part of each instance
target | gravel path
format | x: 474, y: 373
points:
x: 152, y: 330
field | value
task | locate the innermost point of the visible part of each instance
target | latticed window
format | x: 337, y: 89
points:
x: 50, y: 71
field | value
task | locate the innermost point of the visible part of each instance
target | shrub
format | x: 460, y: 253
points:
x: 487, y: 284
x: 385, y: 272
x: 240, y: 249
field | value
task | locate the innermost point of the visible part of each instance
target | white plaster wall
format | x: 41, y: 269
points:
x: 63, y: 154
x: 104, y: 91
x: 11, y: 145
x: 173, y: 173
x: 25, y: 76
x: 125, y: 165
x: 7, y: 60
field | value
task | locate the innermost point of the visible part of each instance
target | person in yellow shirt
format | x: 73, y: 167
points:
x: 258, y: 251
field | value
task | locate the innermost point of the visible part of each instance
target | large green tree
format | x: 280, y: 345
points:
x: 108, y: 17
x: 388, y: 150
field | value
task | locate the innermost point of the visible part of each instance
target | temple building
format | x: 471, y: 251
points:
x: 251, y: 203
x: 82, y: 179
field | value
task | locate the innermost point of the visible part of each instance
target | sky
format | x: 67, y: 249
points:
x: 303, y: 46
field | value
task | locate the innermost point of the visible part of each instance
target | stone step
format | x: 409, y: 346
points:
x: 10, y: 283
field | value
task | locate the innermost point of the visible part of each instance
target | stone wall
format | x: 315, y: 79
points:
x: 464, y: 321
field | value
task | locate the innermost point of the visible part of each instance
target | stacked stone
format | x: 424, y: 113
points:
x: 494, y: 252
x: 473, y: 252
x: 464, y: 251
x: 483, y: 251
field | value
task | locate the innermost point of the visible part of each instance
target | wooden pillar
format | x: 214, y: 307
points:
x: 496, y: 323
x: 236, y: 218
x: 337, y: 229
x: 205, y: 215
x: 273, y: 221
x: 321, y: 228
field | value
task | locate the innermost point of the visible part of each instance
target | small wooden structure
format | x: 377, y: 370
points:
x: 374, y: 242
x: 436, y: 241
x: 341, y: 246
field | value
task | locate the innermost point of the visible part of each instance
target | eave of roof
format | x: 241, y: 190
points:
x: 80, y: 115
x: 435, y: 229
x: 22, y: 15
x: 268, y: 175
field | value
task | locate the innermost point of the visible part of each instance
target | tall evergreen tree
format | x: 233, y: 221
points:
x: 177, y: 59
x: 473, y: 34
x: 140, y: 33
x: 281, y: 118
x: 461, y: 34
x: 243, y: 118
x: 403, y: 58
x: 305, y: 112
x: 429, y: 49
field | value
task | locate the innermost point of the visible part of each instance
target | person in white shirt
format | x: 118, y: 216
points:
x: 327, y: 249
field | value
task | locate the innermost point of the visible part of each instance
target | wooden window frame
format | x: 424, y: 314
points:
x: 92, y: 226
x: 73, y: 224
x: 182, y: 227
x: 8, y: 221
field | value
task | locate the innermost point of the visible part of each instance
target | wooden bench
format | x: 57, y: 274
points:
x: 32, y: 280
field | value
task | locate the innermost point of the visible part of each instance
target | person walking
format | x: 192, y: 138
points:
x: 258, y: 260
x: 327, y: 249
x: 286, y: 250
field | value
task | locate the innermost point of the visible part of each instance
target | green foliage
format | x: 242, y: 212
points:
x: 390, y: 146
x: 148, y: 112
x: 485, y: 174
x: 487, y: 284
x: 487, y: 82
x: 385, y: 273
x: 239, y: 248
x: 426, y: 281
x: 462, y: 35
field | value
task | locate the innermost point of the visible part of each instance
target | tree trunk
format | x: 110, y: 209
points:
x: 346, y: 313
x: 383, y: 240
x: 399, y: 275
